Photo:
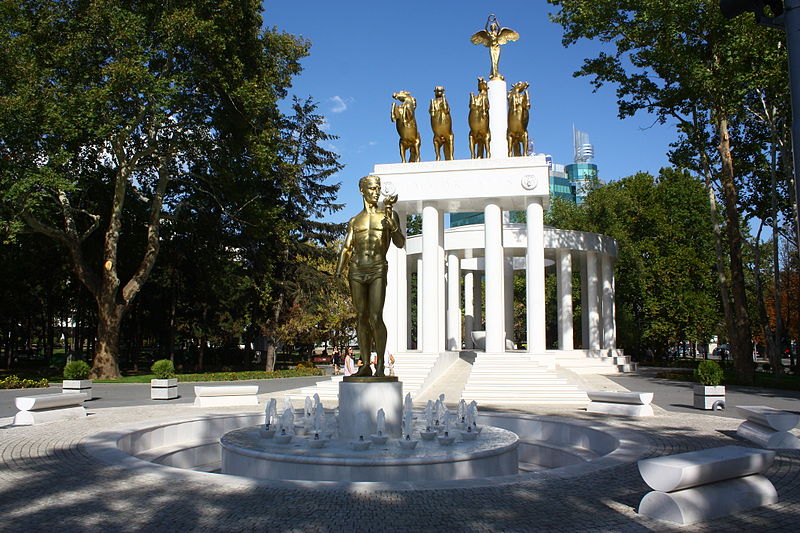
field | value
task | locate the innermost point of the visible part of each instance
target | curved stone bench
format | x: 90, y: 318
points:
x: 706, y: 484
x: 768, y: 427
x: 49, y: 407
x: 620, y: 403
x: 225, y: 395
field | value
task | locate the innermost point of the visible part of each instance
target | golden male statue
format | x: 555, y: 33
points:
x: 519, y: 104
x: 441, y: 124
x: 492, y: 37
x: 479, y: 134
x: 406, y: 122
x: 369, y: 234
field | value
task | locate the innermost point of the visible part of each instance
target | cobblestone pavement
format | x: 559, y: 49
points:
x: 49, y: 482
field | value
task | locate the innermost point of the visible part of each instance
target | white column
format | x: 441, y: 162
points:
x: 498, y: 118
x: 409, y: 296
x: 420, y: 289
x: 442, y: 340
x: 609, y: 325
x: 430, y: 279
x: 593, y: 300
x: 508, y: 296
x: 469, y: 308
x: 402, y: 295
x: 493, y: 229
x: 477, y: 297
x: 564, y: 304
x: 584, y: 304
x: 453, y: 303
x: 534, y: 277
x: 390, y: 302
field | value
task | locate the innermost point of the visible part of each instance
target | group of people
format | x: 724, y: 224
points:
x: 349, y: 366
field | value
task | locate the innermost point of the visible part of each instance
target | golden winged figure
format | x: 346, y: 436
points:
x: 492, y: 37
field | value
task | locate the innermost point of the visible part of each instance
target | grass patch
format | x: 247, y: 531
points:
x: 762, y: 379
x: 224, y: 376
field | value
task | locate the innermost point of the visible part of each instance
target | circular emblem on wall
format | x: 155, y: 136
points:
x: 529, y: 182
x: 388, y: 188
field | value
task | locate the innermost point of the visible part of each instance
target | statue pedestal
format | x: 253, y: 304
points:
x: 366, y: 396
x: 498, y: 117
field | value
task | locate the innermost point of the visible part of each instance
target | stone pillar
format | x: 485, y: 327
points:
x: 584, y: 304
x: 420, y: 288
x: 493, y: 228
x: 593, y: 300
x: 534, y: 277
x: 478, y: 299
x: 442, y: 343
x: 409, y: 296
x: 402, y: 325
x: 453, y: 303
x: 564, y: 304
x: 498, y: 118
x: 430, y: 279
x: 508, y: 296
x: 390, y: 317
x: 609, y: 322
x: 469, y: 308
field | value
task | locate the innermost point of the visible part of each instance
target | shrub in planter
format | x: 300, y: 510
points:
x: 163, y: 369
x: 708, y: 373
x: 77, y: 370
x: 165, y: 385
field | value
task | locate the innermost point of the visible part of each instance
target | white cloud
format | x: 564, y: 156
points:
x: 339, y: 104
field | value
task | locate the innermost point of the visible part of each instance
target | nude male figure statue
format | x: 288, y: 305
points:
x: 369, y: 235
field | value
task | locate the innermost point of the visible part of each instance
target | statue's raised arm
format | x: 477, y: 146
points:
x: 493, y: 36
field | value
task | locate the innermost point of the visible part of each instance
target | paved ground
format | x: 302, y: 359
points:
x: 49, y: 482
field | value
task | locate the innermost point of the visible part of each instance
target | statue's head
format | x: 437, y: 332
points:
x: 438, y: 91
x: 482, y: 85
x: 367, y: 181
x: 520, y: 86
x: 401, y: 95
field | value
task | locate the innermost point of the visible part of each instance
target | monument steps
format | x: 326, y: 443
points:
x: 514, y: 378
x: 594, y: 361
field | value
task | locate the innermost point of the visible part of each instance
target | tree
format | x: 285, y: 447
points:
x: 294, y: 271
x: 113, y: 113
x: 682, y: 61
x: 665, y: 290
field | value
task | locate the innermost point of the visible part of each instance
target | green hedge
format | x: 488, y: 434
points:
x: 13, y: 382
x: 253, y: 374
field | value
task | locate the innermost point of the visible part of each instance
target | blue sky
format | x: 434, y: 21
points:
x: 362, y: 52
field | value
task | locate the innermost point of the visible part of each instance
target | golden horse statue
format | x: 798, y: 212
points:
x: 519, y: 104
x: 479, y: 135
x: 441, y: 124
x: 403, y: 116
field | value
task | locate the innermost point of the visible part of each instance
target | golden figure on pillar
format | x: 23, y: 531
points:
x: 441, y: 124
x: 369, y: 235
x: 479, y: 134
x: 403, y: 116
x: 492, y: 37
x: 519, y: 104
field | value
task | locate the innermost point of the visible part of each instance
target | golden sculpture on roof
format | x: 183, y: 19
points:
x: 442, y: 125
x: 406, y: 122
x: 519, y: 104
x: 479, y: 134
x: 492, y: 37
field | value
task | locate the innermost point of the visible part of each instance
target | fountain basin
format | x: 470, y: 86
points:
x: 244, y: 453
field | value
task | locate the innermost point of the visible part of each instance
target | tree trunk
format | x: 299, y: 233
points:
x: 109, y: 320
x: 741, y: 348
x: 270, y: 353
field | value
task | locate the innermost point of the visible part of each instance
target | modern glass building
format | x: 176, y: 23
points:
x: 583, y: 176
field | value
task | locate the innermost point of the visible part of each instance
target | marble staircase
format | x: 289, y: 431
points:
x: 594, y: 361
x: 514, y: 378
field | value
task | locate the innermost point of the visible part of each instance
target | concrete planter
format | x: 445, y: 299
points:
x: 707, y: 396
x: 164, y: 389
x: 78, y: 385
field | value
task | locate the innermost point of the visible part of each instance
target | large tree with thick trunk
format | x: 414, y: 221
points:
x: 112, y: 113
x: 682, y: 61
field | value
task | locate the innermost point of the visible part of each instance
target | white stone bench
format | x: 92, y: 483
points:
x: 706, y: 484
x: 768, y: 427
x: 224, y: 395
x: 620, y: 403
x: 49, y: 407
